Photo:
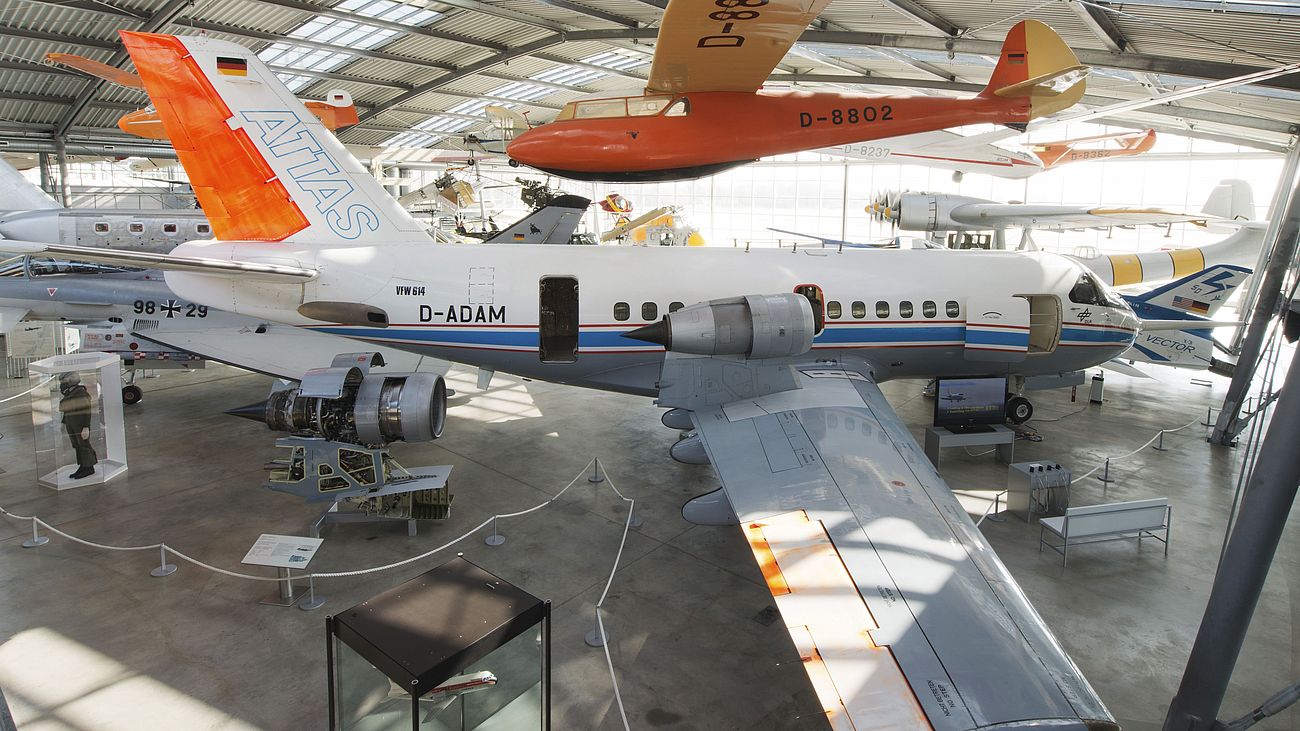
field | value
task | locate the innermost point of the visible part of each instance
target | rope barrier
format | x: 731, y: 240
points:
x: 24, y: 393
x: 1106, y: 462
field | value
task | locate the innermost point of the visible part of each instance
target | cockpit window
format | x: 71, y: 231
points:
x: 1088, y: 291
x: 598, y: 108
x: 13, y: 267
x: 679, y: 108
x: 647, y: 106
x: 50, y: 267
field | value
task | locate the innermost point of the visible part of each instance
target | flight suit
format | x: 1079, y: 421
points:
x: 76, y: 406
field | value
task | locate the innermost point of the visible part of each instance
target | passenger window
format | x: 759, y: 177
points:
x: 859, y: 310
x: 169, y: 228
x: 928, y: 309
x: 135, y: 228
x: 675, y: 306
x: 622, y: 311
x: 904, y: 309
x: 833, y: 310
x: 952, y: 309
x: 203, y: 228
x: 647, y: 106
x: 882, y: 309
x: 679, y: 108
x: 649, y: 311
x: 101, y: 228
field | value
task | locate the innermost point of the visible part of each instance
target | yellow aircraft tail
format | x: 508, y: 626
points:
x: 1037, y: 65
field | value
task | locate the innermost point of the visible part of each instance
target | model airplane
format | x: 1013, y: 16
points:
x: 951, y: 151
x: 703, y: 109
x: 931, y: 212
x: 931, y: 629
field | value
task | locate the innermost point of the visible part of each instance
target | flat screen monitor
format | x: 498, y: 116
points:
x: 970, y: 402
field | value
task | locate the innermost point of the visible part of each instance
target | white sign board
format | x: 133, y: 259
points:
x: 282, y: 552
x: 32, y: 340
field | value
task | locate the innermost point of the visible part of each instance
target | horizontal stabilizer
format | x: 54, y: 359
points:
x: 165, y: 262
x: 1155, y: 325
x: 9, y: 317
x: 1116, y: 365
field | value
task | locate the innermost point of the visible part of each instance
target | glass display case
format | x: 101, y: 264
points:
x: 454, y: 649
x: 80, y: 438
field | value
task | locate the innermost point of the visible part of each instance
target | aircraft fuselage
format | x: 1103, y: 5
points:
x: 514, y: 308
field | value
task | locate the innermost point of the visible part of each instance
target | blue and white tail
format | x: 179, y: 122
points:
x: 1193, y: 297
x: 263, y: 167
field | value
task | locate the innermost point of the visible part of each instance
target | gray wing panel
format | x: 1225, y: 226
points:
x: 973, y: 650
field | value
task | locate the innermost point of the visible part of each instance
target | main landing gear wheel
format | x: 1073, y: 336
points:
x: 132, y: 395
x: 1019, y: 410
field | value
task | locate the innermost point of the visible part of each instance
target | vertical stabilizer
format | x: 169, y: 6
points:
x: 551, y: 224
x: 1036, y: 65
x: 1195, y: 296
x: 17, y: 193
x: 263, y: 167
x: 1231, y: 199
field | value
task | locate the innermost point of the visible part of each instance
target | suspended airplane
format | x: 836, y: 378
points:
x: 703, y: 109
x: 951, y: 151
x: 906, y: 617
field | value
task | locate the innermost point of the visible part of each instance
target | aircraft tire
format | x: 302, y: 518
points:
x: 1019, y: 410
x: 132, y: 395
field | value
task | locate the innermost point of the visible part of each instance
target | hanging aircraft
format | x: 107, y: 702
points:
x: 951, y: 151
x: 703, y: 109
x: 903, y: 613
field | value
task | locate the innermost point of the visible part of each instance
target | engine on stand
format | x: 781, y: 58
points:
x: 341, y: 420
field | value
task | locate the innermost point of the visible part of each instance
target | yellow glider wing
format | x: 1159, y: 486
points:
x: 726, y: 45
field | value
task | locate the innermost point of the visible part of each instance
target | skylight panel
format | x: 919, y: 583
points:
x: 571, y: 75
x: 285, y: 55
x: 521, y: 90
x: 294, y: 82
x: 615, y: 60
x: 394, y: 12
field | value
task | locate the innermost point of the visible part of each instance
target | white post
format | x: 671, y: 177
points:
x: 496, y: 538
x: 163, y: 568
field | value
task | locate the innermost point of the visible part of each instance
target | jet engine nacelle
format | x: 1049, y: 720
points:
x: 346, y: 405
x: 755, y: 326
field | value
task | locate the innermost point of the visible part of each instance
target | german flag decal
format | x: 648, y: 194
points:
x: 228, y: 66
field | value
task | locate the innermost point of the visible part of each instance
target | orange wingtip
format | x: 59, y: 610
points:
x: 238, y: 191
x: 142, y: 123
x: 96, y: 68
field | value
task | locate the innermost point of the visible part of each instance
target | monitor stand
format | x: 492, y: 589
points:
x: 971, y: 429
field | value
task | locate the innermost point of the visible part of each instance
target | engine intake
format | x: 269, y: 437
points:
x: 755, y: 326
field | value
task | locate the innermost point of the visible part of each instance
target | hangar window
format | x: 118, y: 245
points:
x: 169, y: 228
x: 904, y: 309
x: 675, y: 306
x: 649, y: 311
x: 203, y: 228
x: 859, y: 310
x: 833, y: 310
x: 679, y: 108
x: 882, y: 309
x: 135, y: 227
x: 622, y: 311
x: 952, y: 309
x: 928, y: 309
x: 101, y: 227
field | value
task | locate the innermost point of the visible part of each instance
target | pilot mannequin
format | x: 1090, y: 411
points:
x: 77, y: 406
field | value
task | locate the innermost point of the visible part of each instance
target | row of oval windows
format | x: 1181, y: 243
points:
x: 135, y: 227
x: 834, y: 311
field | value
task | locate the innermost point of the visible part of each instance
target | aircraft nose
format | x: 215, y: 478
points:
x: 533, y: 148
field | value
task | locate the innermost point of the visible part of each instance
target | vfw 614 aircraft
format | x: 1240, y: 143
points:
x: 906, y: 618
x: 703, y: 109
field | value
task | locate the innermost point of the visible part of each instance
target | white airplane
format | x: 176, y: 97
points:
x: 903, y: 613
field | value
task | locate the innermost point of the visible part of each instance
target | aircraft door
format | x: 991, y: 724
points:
x: 997, y: 329
x: 557, y: 311
x: 818, y: 301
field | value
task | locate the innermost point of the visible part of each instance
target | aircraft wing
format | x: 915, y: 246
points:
x: 725, y: 47
x: 165, y: 262
x: 9, y: 317
x: 1060, y: 218
x: 904, y: 616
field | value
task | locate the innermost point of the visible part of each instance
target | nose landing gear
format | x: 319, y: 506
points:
x: 1019, y: 410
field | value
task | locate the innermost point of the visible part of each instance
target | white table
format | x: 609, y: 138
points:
x: 936, y: 438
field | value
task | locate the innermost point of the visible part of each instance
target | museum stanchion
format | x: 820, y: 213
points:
x: 37, y: 539
x: 595, y: 472
x: 1160, y: 443
x: 312, y: 601
x: 1105, y: 473
x: 496, y: 538
x: 163, y: 568
x: 1157, y: 441
x: 1209, y: 417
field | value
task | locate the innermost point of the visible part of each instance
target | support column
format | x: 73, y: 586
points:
x: 1270, y: 291
x: 43, y: 161
x: 1284, y: 184
x: 1265, y: 507
x: 61, y: 154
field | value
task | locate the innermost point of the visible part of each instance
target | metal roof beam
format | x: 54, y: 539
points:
x: 1219, y: 6
x: 162, y: 17
x: 429, y: 31
x: 1101, y: 25
x: 307, y: 43
x: 604, y: 15
x: 926, y: 17
x: 497, y: 11
x: 38, y: 35
x: 94, y: 6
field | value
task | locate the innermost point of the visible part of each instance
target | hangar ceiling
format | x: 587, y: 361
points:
x: 421, y: 71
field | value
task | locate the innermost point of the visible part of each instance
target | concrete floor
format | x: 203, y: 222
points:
x: 91, y: 641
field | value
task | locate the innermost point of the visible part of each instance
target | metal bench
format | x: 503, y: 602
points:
x: 1108, y: 522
